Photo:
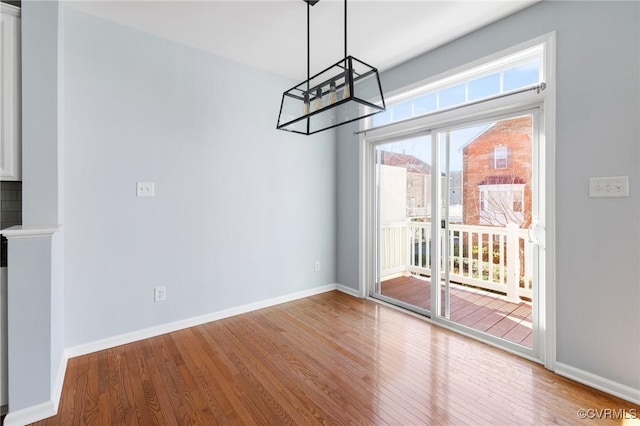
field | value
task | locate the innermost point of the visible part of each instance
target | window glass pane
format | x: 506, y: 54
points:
x: 484, y: 86
x: 522, y: 76
x: 498, y: 201
x: 501, y: 163
x: 425, y: 104
x: 471, y: 85
x: 517, y: 201
x: 452, y: 96
x: 382, y: 118
x: 500, y: 156
x: 402, y: 111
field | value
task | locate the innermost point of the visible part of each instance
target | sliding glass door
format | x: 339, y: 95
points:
x: 457, y: 226
x: 488, y: 196
x: 403, y: 186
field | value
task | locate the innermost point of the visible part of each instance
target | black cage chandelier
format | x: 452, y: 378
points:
x: 346, y: 91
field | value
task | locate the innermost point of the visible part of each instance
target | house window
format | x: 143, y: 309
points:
x: 497, y: 201
x: 501, y: 204
x: 500, y: 157
x: 513, y: 72
x: 517, y: 201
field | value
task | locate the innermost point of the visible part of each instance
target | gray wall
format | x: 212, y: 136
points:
x: 241, y: 211
x: 598, y: 106
x: 40, y: 125
x: 29, y: 334
x: 36, y: 293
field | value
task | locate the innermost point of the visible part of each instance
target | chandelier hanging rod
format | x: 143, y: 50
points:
x: 313, y: 3
x: 345, y: 30
x: 309, y: 40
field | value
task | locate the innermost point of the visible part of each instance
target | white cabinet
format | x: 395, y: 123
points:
x: 10, y: 121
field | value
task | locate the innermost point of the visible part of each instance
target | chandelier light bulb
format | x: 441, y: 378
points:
x: 318, y: 102
x: 306, y: 105
x: 333, y: 97
x: 347, y: 90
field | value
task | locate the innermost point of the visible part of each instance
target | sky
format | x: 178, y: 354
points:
x: 420, y: 147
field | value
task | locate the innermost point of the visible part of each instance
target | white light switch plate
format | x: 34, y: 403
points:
x: 145, y: 189
x: 617, y: 186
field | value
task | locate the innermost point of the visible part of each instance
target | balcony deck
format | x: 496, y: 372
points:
x: 478, y: 309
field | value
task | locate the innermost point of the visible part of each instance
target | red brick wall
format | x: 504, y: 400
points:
x: 478, y: 164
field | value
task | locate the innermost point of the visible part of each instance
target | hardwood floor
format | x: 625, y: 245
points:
x: 326, y: 359
x: 480, y: 310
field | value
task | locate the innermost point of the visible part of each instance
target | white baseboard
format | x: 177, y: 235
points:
x: 30, y: 414
x: 609, y: 386
x: 50, y: 408
x: 135, y: 336
x: 348, y: 290
x: 41, y: 411
x: 56, y: 392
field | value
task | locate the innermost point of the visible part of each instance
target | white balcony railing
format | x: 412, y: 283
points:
x: 492, y: 258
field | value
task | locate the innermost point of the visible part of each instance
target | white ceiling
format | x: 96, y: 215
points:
x: 271, y: 34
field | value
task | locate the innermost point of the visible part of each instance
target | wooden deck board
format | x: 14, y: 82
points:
x: 325, y: 359
x: 483, y: 311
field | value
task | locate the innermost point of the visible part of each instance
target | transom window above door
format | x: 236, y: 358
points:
x: 513, y: 72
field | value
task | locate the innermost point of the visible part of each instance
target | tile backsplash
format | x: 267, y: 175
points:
x: 10, y: 211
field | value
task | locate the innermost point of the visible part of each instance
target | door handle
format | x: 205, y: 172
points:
x: 534, y: 232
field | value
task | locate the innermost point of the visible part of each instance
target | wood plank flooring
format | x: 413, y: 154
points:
x: 480, y: 310
x: 327, y: 359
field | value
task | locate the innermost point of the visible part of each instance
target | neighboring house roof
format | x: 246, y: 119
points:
x: 517, y: 125
x: 411, y: 163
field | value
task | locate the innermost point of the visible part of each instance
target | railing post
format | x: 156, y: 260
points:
x: 408, y: 241
x: 513, y: 263
x: 528, y: 259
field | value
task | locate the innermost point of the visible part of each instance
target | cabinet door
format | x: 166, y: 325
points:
x: 10, y: 121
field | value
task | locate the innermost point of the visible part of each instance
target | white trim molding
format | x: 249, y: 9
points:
x: 147, y: 333
x: 548, y: 154
x: 37, y: 231
x: 348, y: 290
x: 606, y: 385
x: 31, y: 414
x: 57, y: 386
x: 543, y: 101
x: 46, y: 409
x: 10, y: 134
x: 10, y: 9
x: 50, y: 408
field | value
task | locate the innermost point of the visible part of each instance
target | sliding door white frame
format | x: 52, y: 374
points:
x: 544, y: 100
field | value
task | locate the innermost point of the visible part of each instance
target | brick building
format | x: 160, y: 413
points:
x: 496, y: 175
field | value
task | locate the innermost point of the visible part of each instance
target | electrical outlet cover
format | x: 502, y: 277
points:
x: 145, y: 189
x: 160, y: 294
